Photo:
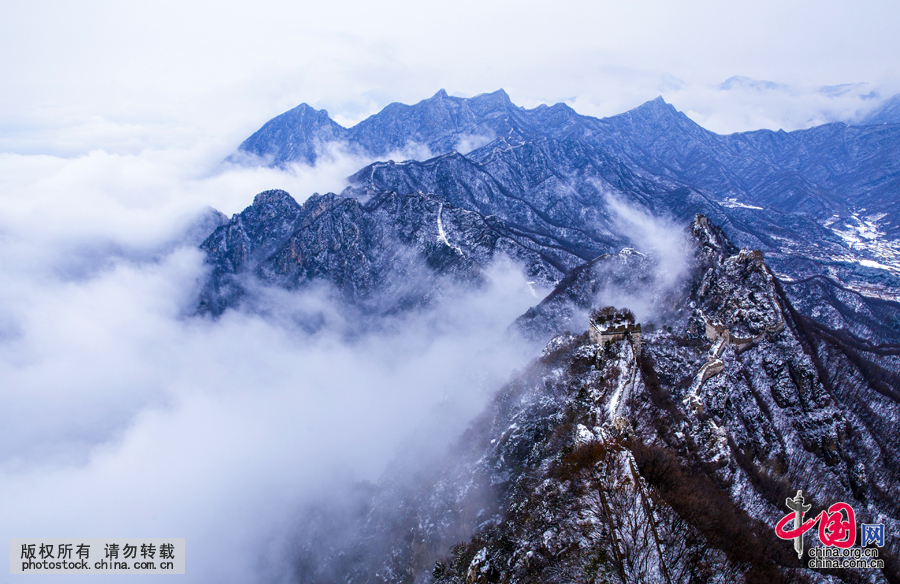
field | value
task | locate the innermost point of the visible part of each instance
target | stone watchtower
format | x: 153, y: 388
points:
x: 611, y: 324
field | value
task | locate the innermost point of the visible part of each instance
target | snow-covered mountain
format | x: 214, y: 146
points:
x: 821, y: 204
x: 663, y: 456
x: 767, y: 363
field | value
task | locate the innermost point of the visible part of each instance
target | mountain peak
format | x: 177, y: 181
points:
x: 486, y: 103
x: 657, y: 107
x: 306, y: 116
x: 304, y: 109
x: 713, y: 246
x: 500, y: 94
x: 273, y: 197
x: 655, y: 116
x: 293, y: 136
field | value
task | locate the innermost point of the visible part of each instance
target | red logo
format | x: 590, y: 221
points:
x: 837, y: 526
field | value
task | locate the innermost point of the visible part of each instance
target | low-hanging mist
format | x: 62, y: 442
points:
x: 664, y: 243
x: 124, y: 415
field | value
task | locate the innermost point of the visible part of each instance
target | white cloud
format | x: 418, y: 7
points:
x: 467, y: 143
x: 120, y: 415
x: 129, y: 77
x: 664, y: 243
x: 746, y: 104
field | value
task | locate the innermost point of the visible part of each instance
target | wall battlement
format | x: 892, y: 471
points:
x: 609, y: 325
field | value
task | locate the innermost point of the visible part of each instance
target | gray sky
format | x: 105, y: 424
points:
x: 120, y: 416
x: 127, y: 76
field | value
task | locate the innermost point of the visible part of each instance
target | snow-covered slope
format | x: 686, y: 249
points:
x: 663, y: 459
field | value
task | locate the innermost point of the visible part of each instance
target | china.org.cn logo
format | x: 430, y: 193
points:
x: 837, y: 534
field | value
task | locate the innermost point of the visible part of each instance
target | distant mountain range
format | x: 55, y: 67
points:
x: 822, y: 204
x: 767, y: 364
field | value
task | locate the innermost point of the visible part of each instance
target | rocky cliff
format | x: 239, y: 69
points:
x: 603, y: 464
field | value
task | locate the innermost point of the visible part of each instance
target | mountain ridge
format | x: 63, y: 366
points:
x: 766, y: 363
x: 660, y: 458
x: 547, y: 176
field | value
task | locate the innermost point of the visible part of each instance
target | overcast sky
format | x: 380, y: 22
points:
x: 124, y: 76
x: 120, y: 414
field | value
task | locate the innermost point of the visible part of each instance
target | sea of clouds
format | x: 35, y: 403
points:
x: 124, y: 414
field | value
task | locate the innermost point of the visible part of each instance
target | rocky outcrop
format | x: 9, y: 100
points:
x: 596, y: 463
x: 382, y: 253
x: 669, y: 491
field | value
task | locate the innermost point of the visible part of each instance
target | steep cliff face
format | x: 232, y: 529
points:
x: 668, y: 461
x: 383, y: 253
x: 674, y: 465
